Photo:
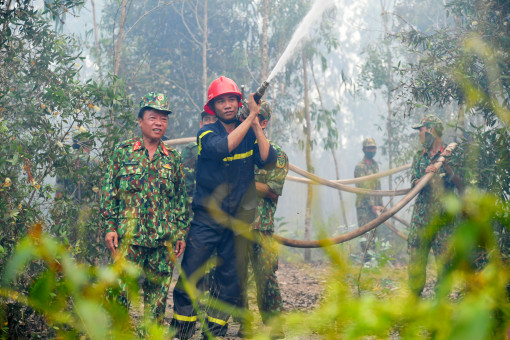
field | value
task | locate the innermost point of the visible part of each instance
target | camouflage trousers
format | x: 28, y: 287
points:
x: 366, y: 215
x: 423, y: 238
x: 157, y: 266
x: 262, y: 252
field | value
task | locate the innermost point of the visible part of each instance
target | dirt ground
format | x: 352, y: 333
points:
x: 302, y: 287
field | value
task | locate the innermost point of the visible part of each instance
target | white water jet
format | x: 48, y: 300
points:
x: 318, y: 7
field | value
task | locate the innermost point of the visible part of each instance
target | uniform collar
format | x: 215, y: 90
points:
x: 139, y: 145
x: 426, y: 152
x: 367, y: 161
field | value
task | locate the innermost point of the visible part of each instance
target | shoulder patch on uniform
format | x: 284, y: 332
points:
x: 137, y: 146
x: 125, y: 143
x: 165, y: 151
x: 280, y: 161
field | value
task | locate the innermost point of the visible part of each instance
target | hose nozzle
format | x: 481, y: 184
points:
x: 243, y: 110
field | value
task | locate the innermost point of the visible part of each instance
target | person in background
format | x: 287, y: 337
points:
x: 368, y: 206
x: 423, y: 235
x: 261, y: 250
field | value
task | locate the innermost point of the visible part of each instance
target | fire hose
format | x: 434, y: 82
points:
x: 372, y: 224
x: 313, y: 179
x: 352, y: 180
x: 409, y: 195
x: 347, y: 188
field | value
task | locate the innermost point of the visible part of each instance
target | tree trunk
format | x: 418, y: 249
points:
x: 120, y: 37
x: 308, y: 153
x: 389, y: 86
x: 96, y: 40
x: 342, y: 205
x: 337, y: 171
x: 204, y: 54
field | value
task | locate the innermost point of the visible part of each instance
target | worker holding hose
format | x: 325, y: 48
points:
x: 224, y: 204
x: 427, y: 232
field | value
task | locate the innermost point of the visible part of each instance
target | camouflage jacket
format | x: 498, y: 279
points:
x: 367, y: 167
x: 189, y: 156
x: 275, y: 178
x: 144, y: 200
x: 428, y: 202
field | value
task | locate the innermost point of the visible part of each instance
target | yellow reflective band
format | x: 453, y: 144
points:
x: 238, y: 156
x: 218, y: 321
x: 200, y: 140
x: 185, y: 318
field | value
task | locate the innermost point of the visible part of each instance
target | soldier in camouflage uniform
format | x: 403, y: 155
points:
x: 423, y: 235
x: 366, y: 205
x: 263, y: 252
x: 143, y: 203
x: 189, y: 156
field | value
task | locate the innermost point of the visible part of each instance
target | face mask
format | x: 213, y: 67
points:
x: 429, y: 141
x: 369, y: 154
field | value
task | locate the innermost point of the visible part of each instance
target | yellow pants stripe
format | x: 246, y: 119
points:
x: 185, y: 318
x: 218, y: 321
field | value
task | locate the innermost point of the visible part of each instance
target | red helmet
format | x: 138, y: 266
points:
x: 218, y: 87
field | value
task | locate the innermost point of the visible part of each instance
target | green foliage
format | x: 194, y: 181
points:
x: 482, y: 311
x: 164, y: 52
x: 455, y: 64
x: 43, y: 107
x: 326, y: 120
x: 72, y: 297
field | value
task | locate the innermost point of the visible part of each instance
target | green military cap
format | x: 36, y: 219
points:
x: 369, y: 142
x: 265, y: 110
x: 156, y: 101
x: 203, y: 114
x: 431, y: 121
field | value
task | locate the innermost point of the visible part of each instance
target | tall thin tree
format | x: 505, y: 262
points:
x: 308, y: 155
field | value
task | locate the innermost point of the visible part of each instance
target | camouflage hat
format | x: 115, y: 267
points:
x: 369, y: 142
x: 265, y: 110
x: 431, y: 121
x: 204, y: 114
x: 156, y: 101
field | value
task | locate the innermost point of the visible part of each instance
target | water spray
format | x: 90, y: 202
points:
x: 244, y: 111
x: 301, y: 33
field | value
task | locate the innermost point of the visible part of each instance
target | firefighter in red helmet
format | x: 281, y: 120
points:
x: 228, y: 151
